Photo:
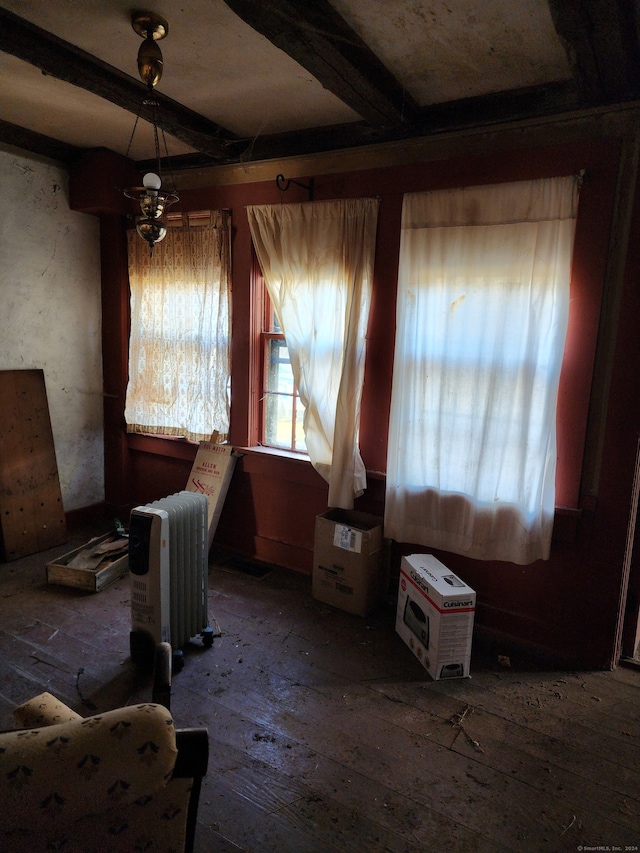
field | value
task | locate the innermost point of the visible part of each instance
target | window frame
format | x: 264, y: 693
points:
x: 261, y: 314
x: 268, y: 334
x: 175, y: 221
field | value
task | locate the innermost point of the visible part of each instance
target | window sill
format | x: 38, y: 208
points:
x: 174, y: 447
x: 260, y: 450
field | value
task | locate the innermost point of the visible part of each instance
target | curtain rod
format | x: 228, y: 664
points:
x: 283, y: 185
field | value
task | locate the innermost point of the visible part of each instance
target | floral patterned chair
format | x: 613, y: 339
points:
x: 124, y: 780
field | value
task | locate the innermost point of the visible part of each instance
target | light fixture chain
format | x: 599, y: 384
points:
x: 156, y: 140
x: 135, y: 125
x: 168, y: 160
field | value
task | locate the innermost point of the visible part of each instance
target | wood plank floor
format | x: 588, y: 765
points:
x: 326, y: 734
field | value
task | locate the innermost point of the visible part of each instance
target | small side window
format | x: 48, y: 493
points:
x: 282, y: 411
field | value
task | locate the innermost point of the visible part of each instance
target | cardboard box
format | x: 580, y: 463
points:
x: 86, y: 568
x: 210, y: 475
x: 350, y: 565
x: 435, y: 616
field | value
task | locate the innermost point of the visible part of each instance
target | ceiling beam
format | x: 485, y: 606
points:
x: 500, y: 108
x: 37, y: 143
x: 320, y: 40
x: 312, y: 141
x: 515, y: 105
x: 63, y: 61
x: 601, y: 40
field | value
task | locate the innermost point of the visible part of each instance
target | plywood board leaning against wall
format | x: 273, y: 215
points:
x: 31, y: 512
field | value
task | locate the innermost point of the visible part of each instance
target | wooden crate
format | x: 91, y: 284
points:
x: 90, y: 579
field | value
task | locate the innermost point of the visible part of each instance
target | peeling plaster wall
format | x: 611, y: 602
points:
x: 50, y: 313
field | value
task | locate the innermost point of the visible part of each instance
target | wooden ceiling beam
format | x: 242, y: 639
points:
x: 601, y: 40
x: 515, y: 105
x: 550, y: 99
x: 37, y: 143
x: 319, y: 39
x: 63, y: 61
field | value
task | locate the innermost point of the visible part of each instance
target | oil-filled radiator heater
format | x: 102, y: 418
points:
x: 168, y: 564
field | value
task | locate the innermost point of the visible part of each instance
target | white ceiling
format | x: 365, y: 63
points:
x: 218, y: 66
x: 444, y: 51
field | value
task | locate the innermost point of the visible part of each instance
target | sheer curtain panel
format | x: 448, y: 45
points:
x: 482, y: 313
x: 317, y: 261
x: 179, y: 350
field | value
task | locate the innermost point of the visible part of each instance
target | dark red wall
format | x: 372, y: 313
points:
x: 567, y: 605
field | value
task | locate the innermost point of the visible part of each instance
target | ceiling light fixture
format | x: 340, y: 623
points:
x: 151, y: 196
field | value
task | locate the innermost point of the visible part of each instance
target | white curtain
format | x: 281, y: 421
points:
x: 179, y: 350
x: 482, y: 312
x: 317, y: 261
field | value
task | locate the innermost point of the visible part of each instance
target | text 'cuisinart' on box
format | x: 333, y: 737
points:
x: 435, y: 616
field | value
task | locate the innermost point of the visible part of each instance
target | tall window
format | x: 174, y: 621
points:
x: 317, y: 262
x: 281, y: 409
x: 482, y: 312
x: 179, y: 353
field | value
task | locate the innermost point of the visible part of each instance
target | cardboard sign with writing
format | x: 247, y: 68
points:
x: 210, y: 475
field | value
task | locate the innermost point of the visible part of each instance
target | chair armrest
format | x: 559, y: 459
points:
x: 43, y: 710
x: 56, y: 775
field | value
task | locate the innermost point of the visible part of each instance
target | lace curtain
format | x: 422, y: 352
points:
x: 179, y: 350
x: 482, y: 312
x: 317, y: 261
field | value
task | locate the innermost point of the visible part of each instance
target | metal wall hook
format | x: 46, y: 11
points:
x: 283, y: 185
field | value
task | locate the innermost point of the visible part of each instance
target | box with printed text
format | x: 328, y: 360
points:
x: 435, y: 616
x: 350, y: 561
x: 210, y: 475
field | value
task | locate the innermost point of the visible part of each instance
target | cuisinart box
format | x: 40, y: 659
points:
x: 435, y: 616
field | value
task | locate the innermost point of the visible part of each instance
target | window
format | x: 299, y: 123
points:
x: 282, y: 411
x: 317, y: 262
x: 482, y: 313
x: 179, y: 351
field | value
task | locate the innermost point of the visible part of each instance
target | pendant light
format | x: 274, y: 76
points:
x: 153, y: 197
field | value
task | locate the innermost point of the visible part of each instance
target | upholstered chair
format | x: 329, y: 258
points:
x: 124, y: 780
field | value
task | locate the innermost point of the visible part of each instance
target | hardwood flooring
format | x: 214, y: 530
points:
x: 327, y: 735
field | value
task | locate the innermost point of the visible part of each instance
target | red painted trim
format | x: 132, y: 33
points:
x: 172, y: 448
